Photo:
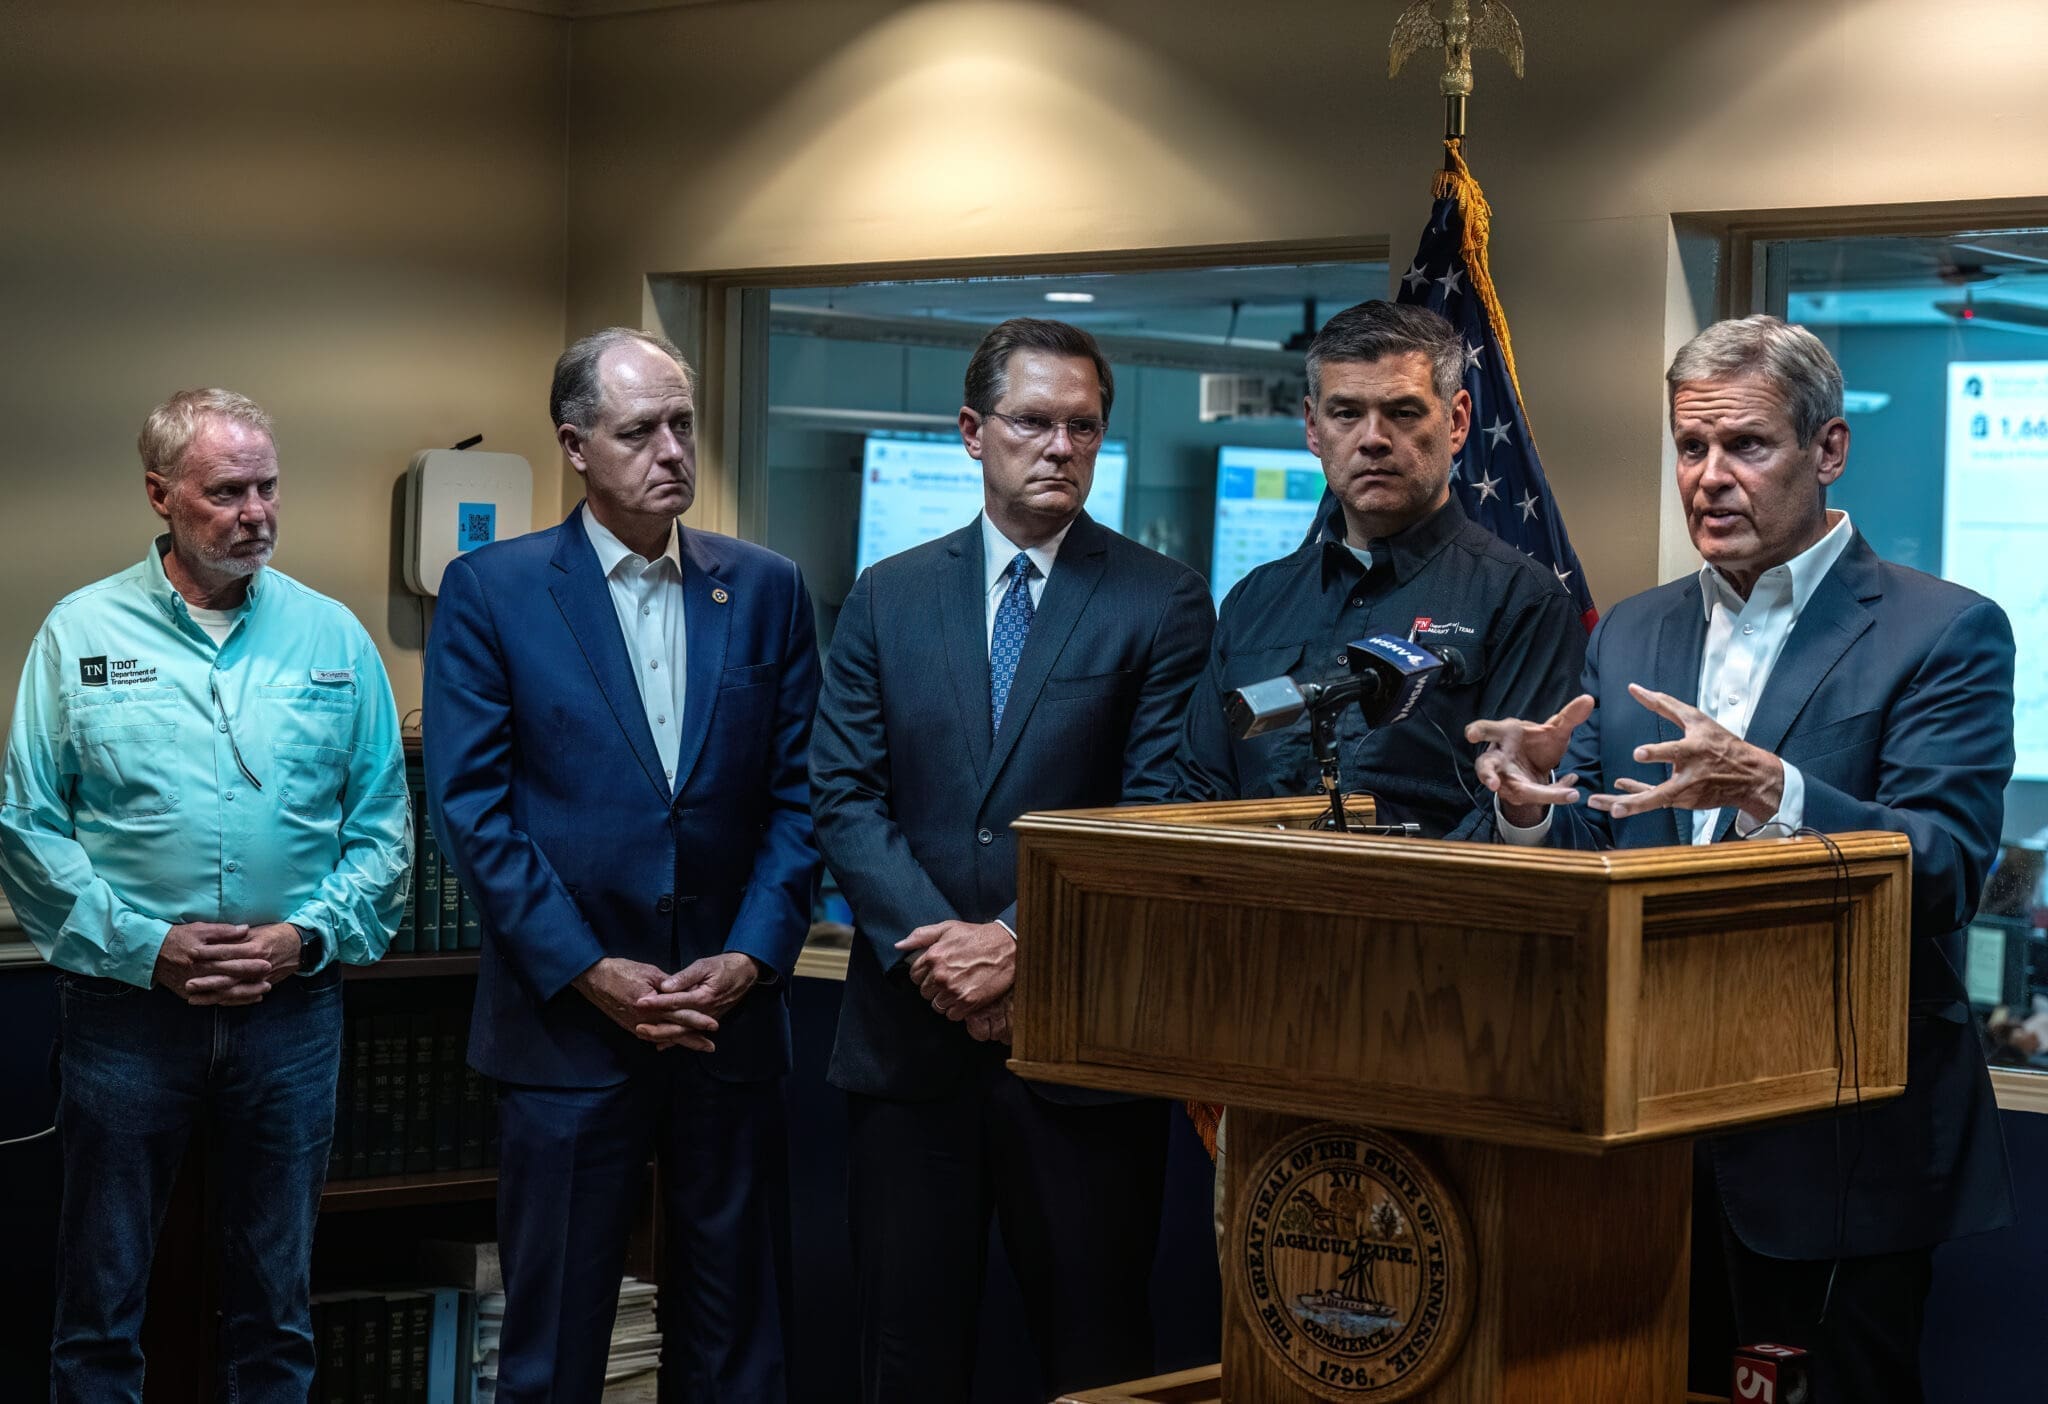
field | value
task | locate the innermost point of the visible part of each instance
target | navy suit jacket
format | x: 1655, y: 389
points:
x: 913, y: 796
x: 1893, y: 696
x: 548, y: 795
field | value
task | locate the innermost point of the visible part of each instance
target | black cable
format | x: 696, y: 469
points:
x: 1849, y: 1070
x: 1457, y: 771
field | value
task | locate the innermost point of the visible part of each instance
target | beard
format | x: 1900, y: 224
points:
x: 228, y: 561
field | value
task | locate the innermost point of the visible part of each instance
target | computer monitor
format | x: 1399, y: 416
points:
x: 1265, y: 501
x: 1994, y: 515
x: 916, y: 487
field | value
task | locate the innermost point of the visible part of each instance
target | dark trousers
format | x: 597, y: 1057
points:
x: 571, y: 1161
x: 137, y: 1071
x: 1864, y: 1350
x: 1076, y: 1191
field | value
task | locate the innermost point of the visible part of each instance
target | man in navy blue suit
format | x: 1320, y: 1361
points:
x: 1034, y: 659
x: 617, y: 714
x: 1799, y: 680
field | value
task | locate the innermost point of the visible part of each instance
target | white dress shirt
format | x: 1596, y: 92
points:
x: 1745, y: 639
x: 997, y: 551
x: 648, y: 596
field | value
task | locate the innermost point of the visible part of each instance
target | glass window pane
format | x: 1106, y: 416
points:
x: 1203, y: 458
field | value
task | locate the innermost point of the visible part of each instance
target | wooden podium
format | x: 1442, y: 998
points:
x: 1463, y: 1079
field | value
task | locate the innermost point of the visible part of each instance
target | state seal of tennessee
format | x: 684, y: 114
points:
x: 1356, y: 1264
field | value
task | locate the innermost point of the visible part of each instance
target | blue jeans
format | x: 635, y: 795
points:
x: 138, y: 1071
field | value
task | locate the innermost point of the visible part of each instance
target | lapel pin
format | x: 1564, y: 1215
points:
x: 719, y: 596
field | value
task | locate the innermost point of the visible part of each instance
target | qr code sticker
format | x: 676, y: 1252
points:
x: 476, y: 525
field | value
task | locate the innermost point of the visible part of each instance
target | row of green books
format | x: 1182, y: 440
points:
x: 405, y: 1346
x: 408, y: 1101
x: 439, y: 915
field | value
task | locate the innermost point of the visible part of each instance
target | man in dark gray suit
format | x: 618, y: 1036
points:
x: 1033, y: 659
x: 1798, y: 680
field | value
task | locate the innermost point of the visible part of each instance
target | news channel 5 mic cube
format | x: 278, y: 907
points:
x: 1770, y: 1374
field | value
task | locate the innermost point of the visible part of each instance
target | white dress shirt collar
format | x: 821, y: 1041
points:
x: 1801, y: 575
x: 611, y: 551
x: 997, y: 551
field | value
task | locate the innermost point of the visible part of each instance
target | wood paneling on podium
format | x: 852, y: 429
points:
x: 1579, y: 1001
x: 1546, y: 1031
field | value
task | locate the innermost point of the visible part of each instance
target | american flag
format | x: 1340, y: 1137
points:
x: 1497, y: 477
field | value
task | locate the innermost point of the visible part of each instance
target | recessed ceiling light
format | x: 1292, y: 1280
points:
x: 1069, y: 297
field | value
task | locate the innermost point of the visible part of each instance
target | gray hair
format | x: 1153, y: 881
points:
x: 1789, y: 358
x: 577, y: 394
x: 1372, y: 331
x: 170, y: 428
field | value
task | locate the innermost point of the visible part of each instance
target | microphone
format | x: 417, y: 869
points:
x: 1388, y: 679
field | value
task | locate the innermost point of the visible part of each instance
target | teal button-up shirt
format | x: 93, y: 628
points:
x: 153, y: 778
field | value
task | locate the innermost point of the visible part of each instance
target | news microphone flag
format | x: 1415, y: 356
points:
x: 1497, y: 476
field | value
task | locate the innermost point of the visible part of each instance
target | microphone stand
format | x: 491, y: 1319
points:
x: 1323, y: 718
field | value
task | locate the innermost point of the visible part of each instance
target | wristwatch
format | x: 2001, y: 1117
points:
x: 312, y: 947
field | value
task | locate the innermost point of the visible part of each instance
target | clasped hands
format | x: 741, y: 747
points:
x: 1711, y: 767
x: 679, y: 1010
x: 966, y: 970
x: 215, y: 962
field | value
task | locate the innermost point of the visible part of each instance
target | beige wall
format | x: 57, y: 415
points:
x: 790, y: 132
x: 366, y: 212
x: 351, y: 211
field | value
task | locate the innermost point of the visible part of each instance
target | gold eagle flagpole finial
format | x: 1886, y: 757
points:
x: 1473, y: 24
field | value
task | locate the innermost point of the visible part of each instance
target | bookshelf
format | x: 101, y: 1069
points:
x: 400, y: 1191
x: 413, y: 967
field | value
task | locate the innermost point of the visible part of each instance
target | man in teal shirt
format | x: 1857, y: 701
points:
x: 203, y: 809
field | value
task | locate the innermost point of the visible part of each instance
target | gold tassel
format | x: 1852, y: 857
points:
x: 1455, y: 182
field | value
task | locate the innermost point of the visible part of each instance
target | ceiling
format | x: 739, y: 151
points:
x: 1913, y: 280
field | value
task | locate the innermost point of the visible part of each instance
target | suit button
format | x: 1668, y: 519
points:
x: 984, y: 837
x: 664, y: 904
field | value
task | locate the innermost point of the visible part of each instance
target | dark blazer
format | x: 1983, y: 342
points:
x: 548, y: 795
x: 914, y: 798
x: 1893, y: 696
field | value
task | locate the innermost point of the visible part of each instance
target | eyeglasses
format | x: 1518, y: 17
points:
x: 1034, y: 427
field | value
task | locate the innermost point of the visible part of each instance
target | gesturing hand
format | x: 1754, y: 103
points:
x: 707, y: 987
x: 212, y: 962
x: 616, y: 985
x: 1711, y: 768
x: 1520, y: 756
x: 962, y: 965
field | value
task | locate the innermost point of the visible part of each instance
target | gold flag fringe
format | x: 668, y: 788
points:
x: 1455, y: 182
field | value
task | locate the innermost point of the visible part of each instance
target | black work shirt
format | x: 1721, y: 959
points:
x: 1454, y: 583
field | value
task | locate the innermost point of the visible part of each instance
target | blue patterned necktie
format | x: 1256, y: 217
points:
x: 1006, y: 645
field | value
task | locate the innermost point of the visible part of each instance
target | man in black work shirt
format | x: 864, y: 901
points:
x: 1386, y: 414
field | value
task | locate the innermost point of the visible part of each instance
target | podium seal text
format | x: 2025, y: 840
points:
x: 1356, y: 1263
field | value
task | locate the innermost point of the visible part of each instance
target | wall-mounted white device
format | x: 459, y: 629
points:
x: 457, y: 500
